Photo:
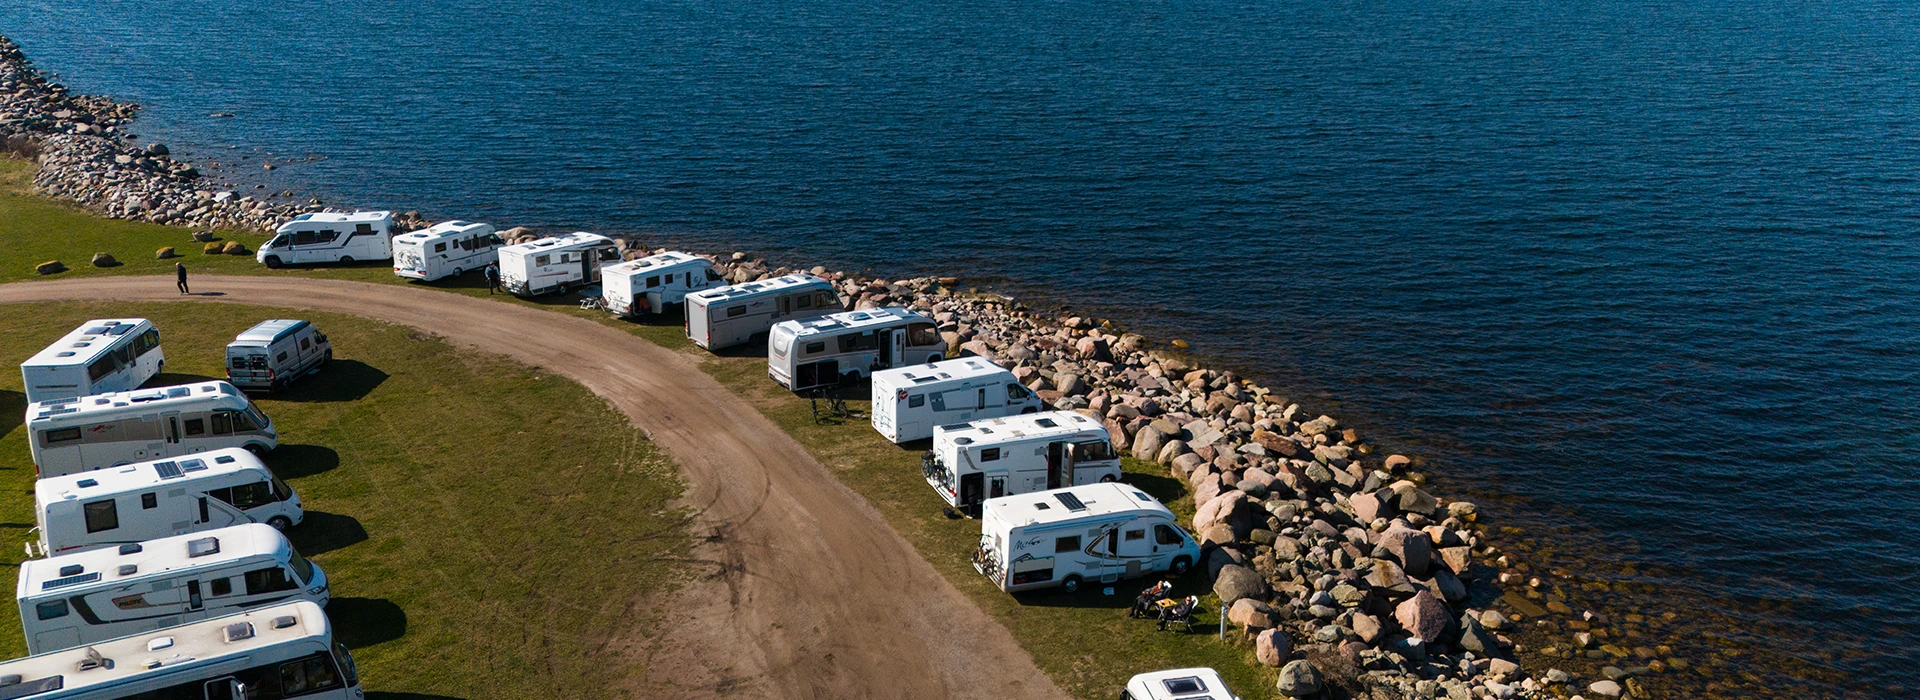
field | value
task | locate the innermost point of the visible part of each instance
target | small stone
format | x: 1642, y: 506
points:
x: 1605, y: 689
x: 165, y: 253
x: 1424, y: 617
x: 104, y: 260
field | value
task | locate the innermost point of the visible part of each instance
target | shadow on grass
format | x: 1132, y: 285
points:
x: 1164, y: 489
x: 295, y: 461
x: 13, y: 406
x: 340, y: 380
x: 324, y: 532
x: 377, y: 695
x: 364, y: 622
x: 755, y: 346
x: 177, y: 379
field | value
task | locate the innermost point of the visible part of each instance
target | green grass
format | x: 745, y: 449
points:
x: 489, y: 530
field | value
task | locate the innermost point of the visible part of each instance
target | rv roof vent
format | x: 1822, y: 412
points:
x: 963, y: 441
x: 1184, y: 686
x: 67, y: 353
x: 179, y: 391
x: 121, y: 329
x: 62, y: 402
x: 97, y: 330
x: 63, y: 582
x: 1046, y: 423
x: 102, y: 402
x: 81, y: 345
x: 86, y: 483
x: 94, y: 660
x: 197, y: 464
x: 72, y: 570
x: 238, y: 631
x: 203, y: 547
x: 133, y: 548
x: 1042, y: 506
x: 129, y: 569
x: 158, y: 643
x: 283, y: 622
x: 1071, y: 501
x: 1142, y: 495
x: 10, y: 679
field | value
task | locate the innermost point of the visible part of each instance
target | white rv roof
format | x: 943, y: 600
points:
x: 736, y: 291
x: 553, y: 242
x: 655, y: 263
x: 959, y: 368
x: 444, y: 229
x: 1181, y: 684
x: 202, y: 643
x: 265, y: 332
x: 846, y: 320
x: 144, y: 475
x: 340, y: 217
x: 151, y: 558
x: 1021, y: 427
x: 1071, y: 503
x: 85, y: 343
x: 137, y: 400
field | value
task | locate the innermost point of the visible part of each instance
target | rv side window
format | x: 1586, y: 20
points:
x: 1136, y: 535
x: 812, y: 348
x: 653, y: 281
x: 132, y: 602
x: 1099, y: 451
x: 147, y: 342
x: 269, y: 580
x: 300, y: 237
x: 305, y: 343
x: 922, y: 334
x: 916, y: 400
x: 308, y: 675
x: 223, y: 586
x: 325, y: 235
x: 280, y: 357
x: 439, y: 247
x: 990, y: 454
x: 855, y: 342
x: 58, y: 436
x: 541, y: 260
x: 1066, y: 544
x: 736, y: 311
x: 102, y: 516
x: 824, y: 299
x: 223, y: 422
x: 609, y: 254
x: 804, y: 301
x: 101, y: 368
x: 149, y: 501
x: 51, y: 609
x: 196, y: 426
x: 1164, y: 534
x: 361, y: 229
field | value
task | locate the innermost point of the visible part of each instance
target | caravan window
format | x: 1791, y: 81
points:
x: 1099, y: 451
x: 1015, y: 392
x: 249, y: 496
x: 325, y: 235
x: 146, y: 342
x: 132, y: 602
x: 269, y: 580
x: 1066, y: 544
x: 1163, y: 534
x: 102, y: 516
x: 736, y: 311
x: 101, y: 367
x: 149, y: 501
x: 223, y: 422
x: 813, y: 348
x: 361, y: 229
x: 223, y: 586
x: 196, y: 426
x: 541, y: 260
x: 922, y: 334
x: 653, y: 281
x: 804, y: 301
x: 991, y: 454
x: 916, y: 400
x: 57, y: 436
x: 1136, y: 535
x: 300, y: 237
x: 439, y: 247
x: 856, y: 342
x: 51, y: 609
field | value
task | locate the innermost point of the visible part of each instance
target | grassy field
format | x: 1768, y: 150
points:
x: 1085, y: 642
x: 468, y: 557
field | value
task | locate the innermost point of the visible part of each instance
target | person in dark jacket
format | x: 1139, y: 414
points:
x: 180, y: 272
x: 493, y: 277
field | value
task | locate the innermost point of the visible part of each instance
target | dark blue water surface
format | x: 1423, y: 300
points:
x: 1647, y: 267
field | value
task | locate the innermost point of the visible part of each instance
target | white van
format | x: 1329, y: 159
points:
x: 150, y: 500
x: 649, y: 284
x: 1178, y: 684
x: 101, y: 594
x: 909, y: 401
x: 445, y: 249
x: 69, y: 436
x: 847, y: 346
x: 995, y: 457
x: 1063, y: 537
x: 273, y: 354
x: 734, y: 315
x: 330, y: 237
x: 101, y: 355
x: 268, y: 653
x: 555, y: 263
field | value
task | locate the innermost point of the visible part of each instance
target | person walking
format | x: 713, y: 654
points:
x: 180, y: 273
x: 493, y: 277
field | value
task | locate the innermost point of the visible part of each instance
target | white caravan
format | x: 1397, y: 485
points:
x: 734, y: 315
x: 1063, y: 537
x: 995, y: 457
x: 649, y: 284
x: 270, y: 653
x: 1178, y: 684
x: 555, y: 263
x: 445, y: 249
x: 909, y: 401
x: 273, y: 354
x: 330, y: 237
x: 149, y: 500
x: 847, y: 346
x: 69, y: 436
x: 101, y: 355
x: 92, y: 596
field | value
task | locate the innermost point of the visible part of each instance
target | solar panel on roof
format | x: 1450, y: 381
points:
x: 65, y: 581
x: 168, y: 470
x: 1071, y: 501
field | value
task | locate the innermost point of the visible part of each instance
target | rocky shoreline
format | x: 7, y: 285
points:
x: 1339, y: 568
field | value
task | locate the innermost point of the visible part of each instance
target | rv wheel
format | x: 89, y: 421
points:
x: 1179, y: 566
x: 256, y: 450
x: 280, y: 522
x: 1071, y: 583
x: 458, y: 271
x: 273, y: 261
x: 1108, y: 479
x: 346, y: 259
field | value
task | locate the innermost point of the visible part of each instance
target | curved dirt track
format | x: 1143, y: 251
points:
x: 804, y: 590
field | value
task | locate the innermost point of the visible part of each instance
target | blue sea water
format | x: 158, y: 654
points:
x: 1645, y: 270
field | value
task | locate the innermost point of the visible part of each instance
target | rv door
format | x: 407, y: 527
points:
x: 1059, y: 465
x: 899, y: 346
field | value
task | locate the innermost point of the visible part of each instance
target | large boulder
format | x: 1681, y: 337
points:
x: 1147, y: 443
x: 1318, y: 426
x: 1208, y: 489
x: 165, y: 253
x: 50, y: 267
x: 1276, y: 443
x: 1183, y: 465
x: 1410, y: 499
x: 1232, y: 509
x: 235, y: 248
x: 1475, y: 638
x: 203, y: 236
x: 1299, y: 679
x: 1252, y: 615
x: 1412, y: 548
x: 1424, y: 617
x: 105, y: 260
x: 1368, y: 507
x: 1367, y: 628
x: 1271, y: 647
x: 1388, y: 581
x: 1457, y: 558
x: 1236, y: 582
x: 1173, y: 448
x: 1446, y: 584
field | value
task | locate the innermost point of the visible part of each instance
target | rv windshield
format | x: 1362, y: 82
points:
x: 278, y: 241
x: 281, y: 491
x: 253, y: 418
x: 301, y: 567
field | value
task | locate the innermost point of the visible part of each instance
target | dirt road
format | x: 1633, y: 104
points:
x: 806, y: 591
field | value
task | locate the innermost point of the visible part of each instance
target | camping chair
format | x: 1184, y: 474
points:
x: 1178, y: 613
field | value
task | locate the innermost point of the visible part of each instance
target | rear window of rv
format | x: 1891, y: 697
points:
x: 541, y: 259
x: 813, y: 348
x: 736, y: 311
x: 990, y: 454
x: 61, y: 435
x: 101, y: 516
x: 916, y: 400
x: 653, y: 281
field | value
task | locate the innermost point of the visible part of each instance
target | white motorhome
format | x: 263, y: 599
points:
x: 649, y: 284
x: 909, y: 401
x: 150, y: 500
x: 847, y: 346
x: 734, y: 315
x: 995, y: 457
x: 330, y: 237
x: 270, y: 653
x: 1178, y: 684
x: 101, y: 355
x: 68, y: 436
x: 555, y: 263
x: 273, y: 354
x: 1064, y: 537
x: 96, y: 595
x: 445, y: 249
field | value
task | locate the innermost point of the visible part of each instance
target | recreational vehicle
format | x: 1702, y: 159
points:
x: 555, y: 263
x: 647, y: 285
x: 1178, y: 684
x: 1064, y: 537
x: 273, y: 354
x: 96, y: 595
x: 734, y: 315
x: 995, y: 457
x: 909, y: 401
x: 330, y: 237
x: 847, y: 346
x: 270, y: 653
x: 149, y: 500
x: 446, y: 249
x: 68, y: 436
x: 101, y: 355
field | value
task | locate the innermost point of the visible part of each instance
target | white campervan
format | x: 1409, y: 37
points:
x: 101, y: 355
x: 733, y: 315
x: 1178, y: 684
x: 150, y: 500
x: 330, y: 237
x: 850, y: 345
x: 972, y: 462
x: 1063, y: 537
x: 272, y: 354
x: 909, y: 401
x: 647, y: 285
x: 445, y: 249
x: 270, y: 653
x: 96, y: 595
x: 555, y: 263
x: 68, y: 436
